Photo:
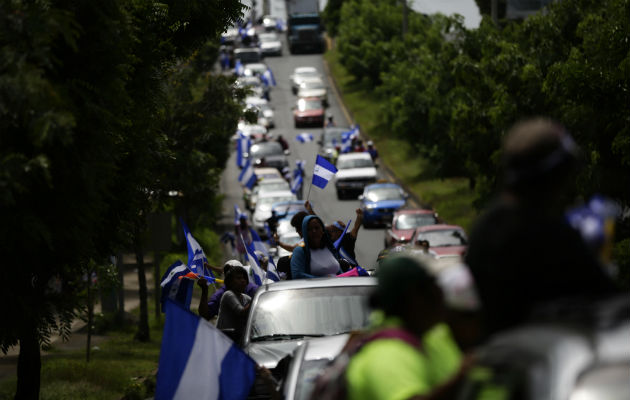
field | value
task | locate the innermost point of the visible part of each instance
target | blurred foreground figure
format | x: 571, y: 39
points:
x: 522, y: 252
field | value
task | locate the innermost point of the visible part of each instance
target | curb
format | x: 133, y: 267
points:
x: 415, y: 200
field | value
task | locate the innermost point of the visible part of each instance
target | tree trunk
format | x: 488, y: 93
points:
x: 143, y: 326
x: 157, y: 287
x: 29, y: 366
x: 120, y: 315
x: 90, y: 319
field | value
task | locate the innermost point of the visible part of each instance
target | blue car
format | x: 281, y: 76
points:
x: 379, y: 201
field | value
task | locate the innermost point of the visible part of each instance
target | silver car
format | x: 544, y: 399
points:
x: 285, y: 314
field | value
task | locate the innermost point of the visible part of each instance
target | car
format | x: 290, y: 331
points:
x: 379, y: 201
x: 253, y: 83
x: 269, y: 23
x: 444, y: 240
x: 262, y: 211
x: 260, y: 116
x: 313, y: 88
x: 405, y: 222
x: 253, y: 131
x: 307, y: 362
x: 265, y: 107
x: 331, y: 137
x: 308, y: 111
x: 355, y: 171
x: 254, y: 69
x: 578, y: 351
x: 285, y: 314
x: 270, y: 44
x: 267, y: 173
x: 302, y: 73
x: 264, y: 186
x: 248, y: 55
x: 288, y: 238
x: 268, y: 154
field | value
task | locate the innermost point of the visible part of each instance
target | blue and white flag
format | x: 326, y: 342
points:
x: 254, y: 263
x: 239, y: 69
x: 174, y: 288
x: 296, y: 183
x: 196, y: 256
x: 238, y: 214
x: 304, y: 137
x: 301, y: 164
x: 243, y: 143
x: 197, y: 361
x: 259, y: 245
x: 337, y: 243
x: 323, y: 172
x: 267, y: 78
x: 247, y: 177
x: 346, y: 139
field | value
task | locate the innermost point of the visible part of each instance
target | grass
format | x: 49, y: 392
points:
x: 451, y: 198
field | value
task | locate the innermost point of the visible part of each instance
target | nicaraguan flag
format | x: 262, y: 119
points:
x: 304, y: 137
x: 243, y: 143
x: 254, y: 263
x: 337, y: 243
x: 196, y: 256
x: 259, y: 245
x: 237, y: 214
x: 178, y: 290
x: 239, y: 69
x: 267, y: 78
x: 346, y: 139
x: 301, y: 164
x: 197, y: 361
x: 247, y: 177
x: 296, y: 183
x: 323, y: 172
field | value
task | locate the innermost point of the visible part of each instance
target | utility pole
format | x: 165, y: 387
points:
x: 405, y: 15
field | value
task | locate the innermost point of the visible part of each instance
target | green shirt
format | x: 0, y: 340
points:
x: 391, y: 369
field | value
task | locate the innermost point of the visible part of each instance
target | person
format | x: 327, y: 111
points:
x: 522, y: 252
x: 372, y: 150
x: 335, y: 154
x: 296, y: 223
x: 411, y: 352
x: 264, y: 264
x: 283, y: 142
x: 208, y: 309
x: 318, y: 256
x: 273, y: 220
x: 330, y: 122
x: 242, y: 230
x: 349, y: 240
x: 235, y: 304
x: 358, y: 147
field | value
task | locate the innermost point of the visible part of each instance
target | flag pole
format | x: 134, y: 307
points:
x: 308, y: 196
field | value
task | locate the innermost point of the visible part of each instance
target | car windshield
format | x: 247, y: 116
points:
x: 303, y: 73
x: 450, y: 237
x: 385, y: 193
x: 354, y: 163
x: 274, y: 199
x: 323, y: 311
x: 411, y: 221
x: 290, y: 239
x: 305, y: 105
x: 333, y: 136
x: 273, y: 187
x: 248, y: 57
x: 268, y: 37
x: 248, y: 81
x: 266, y: 149
x: 312, y: 85
x: 309, y: 371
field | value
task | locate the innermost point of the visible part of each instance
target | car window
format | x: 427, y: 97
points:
x: 386, y: 193
x: 443, y: 238
x: 266, y: 149
x: 354, y: 163
x: 312, y: 85
x: 268, y: 37
x: 274, y: 187
x: 333, y: 135
x: 410, y: 221
x: 311, y: 311
x: 305, y: 105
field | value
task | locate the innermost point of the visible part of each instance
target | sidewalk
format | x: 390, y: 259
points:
x: 78, y: 339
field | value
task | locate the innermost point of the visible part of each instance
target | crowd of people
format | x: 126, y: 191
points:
x: 522, y: 255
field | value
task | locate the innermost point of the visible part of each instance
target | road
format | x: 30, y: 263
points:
x: 324, y: 202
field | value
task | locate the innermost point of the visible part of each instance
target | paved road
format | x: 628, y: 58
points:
x: 325, y: 202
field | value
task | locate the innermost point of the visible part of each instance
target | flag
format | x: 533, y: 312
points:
x: 304, y: 137
x: 239, y: 69
x: 197, y: 361
x: 337, y: 243
x: 243, y: 143
x: 301, y: 164
x: 259, y: 274
x: 196, y: 256
x: 259, y: 245
x: 247, y: 177
x: 346, y: 139
x: 178, y: 290
x: 269, y: 234
x: 323, y: 172
x: 237, y: 214
x: 296, y: 183
x: 267, y: 78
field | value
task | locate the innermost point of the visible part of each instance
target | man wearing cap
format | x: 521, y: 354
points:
x: 411, y: 354
x: 210, y: 308
x: 372, y: 150
x: 522, y: 252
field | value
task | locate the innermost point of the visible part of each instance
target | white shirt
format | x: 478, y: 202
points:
x: 323, y: 263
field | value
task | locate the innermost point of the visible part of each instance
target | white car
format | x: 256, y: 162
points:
x: 253, y: 83
x: 254, y: 69
x: 301, y: 73
x: 313, y: 87
x: 252, y: 131
x: 288, y: 238
x: 262, y: 212
x: 266, y: 186
x: 270, y: 44
x: 355, y: 171
x: 266, y: 108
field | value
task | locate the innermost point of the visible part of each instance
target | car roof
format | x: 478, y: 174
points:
x: 312, y: 79
x: 267, y: 171
x: 246, y: 50
x: 437, y: 227
x: 352, y: 156
x: 302, y: 70
x: 255, y: 66
x: 269, y: 181
x: 276, y: 193
x: 319, y: 283
x: 382, y: 185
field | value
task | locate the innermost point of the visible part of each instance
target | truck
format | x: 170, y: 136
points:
x: 305, y: 30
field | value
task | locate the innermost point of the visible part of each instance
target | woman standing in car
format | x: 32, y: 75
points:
x: 234, y: 304
x: 318, y: 257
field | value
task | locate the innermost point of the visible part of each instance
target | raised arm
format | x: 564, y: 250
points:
x: 357, y: 223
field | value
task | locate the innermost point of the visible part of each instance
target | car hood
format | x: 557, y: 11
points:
x: 276, y: 159
x: 309, y: 113
x: 403, y: 234
x: 386, y: 203
x: 369, y: 172
x: 267, y: 354
x: 312, y: 92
